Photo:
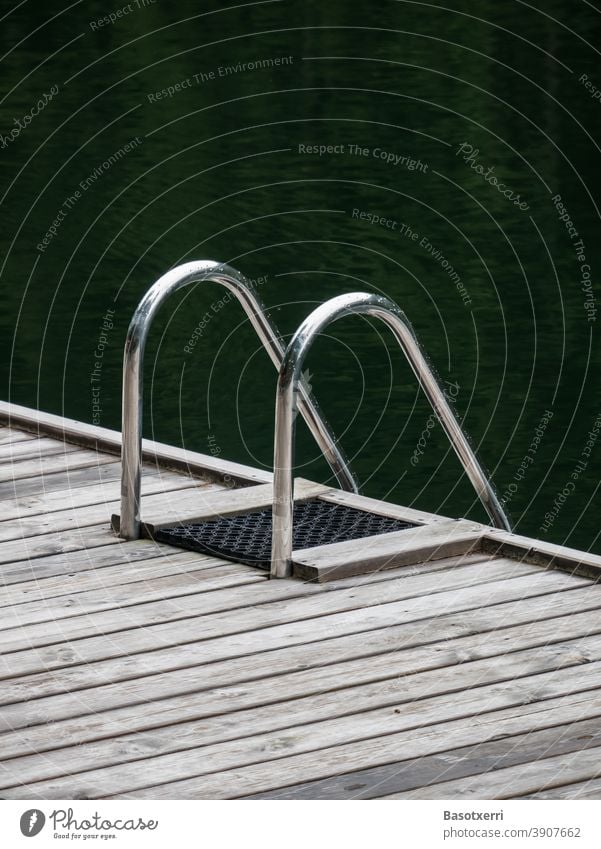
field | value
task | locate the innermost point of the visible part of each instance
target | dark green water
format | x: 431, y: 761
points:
x: 220, y: 169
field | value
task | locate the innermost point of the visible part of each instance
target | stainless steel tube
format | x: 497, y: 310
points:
x: 133, y: 388
x: 286, y: 401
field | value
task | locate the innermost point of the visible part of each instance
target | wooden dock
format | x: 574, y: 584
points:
x: 137, y: 670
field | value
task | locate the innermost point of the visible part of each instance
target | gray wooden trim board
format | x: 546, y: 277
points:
x: 466, y: 663
x: 387, y: 551
x: 105, y: 441
x: 542, y: 553
x: 204, y: 505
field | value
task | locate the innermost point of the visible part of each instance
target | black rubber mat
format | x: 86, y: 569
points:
x: 247, y: 538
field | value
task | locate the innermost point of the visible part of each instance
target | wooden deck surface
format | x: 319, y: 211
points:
x: 130, y: 669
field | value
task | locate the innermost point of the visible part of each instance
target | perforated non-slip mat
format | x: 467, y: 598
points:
x: 247, y: 538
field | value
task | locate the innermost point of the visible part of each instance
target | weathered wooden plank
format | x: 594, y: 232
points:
x: 420, y: 741
x: 107, y: 577
x: 258, y: 630
x: 74, y: 478
x: 103, y: 440
x: 14, y: 452
x: 517, y: 780
x: 112, y: 551
x: 260, y: 606
x: 104, y: 567
x: 590, y: 789
x: 149, y: 675
x: 166, y: 496
x: 75, y: 571
x: 74, y: 539
x: 175, y: 587
x: 270, y: 761
x: 196, y: 704
x: 221, y: 502
x: 79, y: 459
x: 43, y: 501
x: 387, y: 551
x: 9, y: 435
x: 510, y: 750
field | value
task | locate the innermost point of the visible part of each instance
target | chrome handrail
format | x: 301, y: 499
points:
x: 286, y: 403
x: 133, y: 388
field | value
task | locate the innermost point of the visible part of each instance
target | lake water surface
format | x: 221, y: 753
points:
x: 446, y: 155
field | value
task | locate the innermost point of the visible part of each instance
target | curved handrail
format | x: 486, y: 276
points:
x: 133, y: 361
x: 286, y: 400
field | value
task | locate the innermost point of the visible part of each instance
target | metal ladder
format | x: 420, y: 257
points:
x: 292, y: 394
x: 286, y: 403
x: 133, y: 379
